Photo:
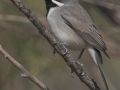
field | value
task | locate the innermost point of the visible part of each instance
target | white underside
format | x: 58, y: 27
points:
x: 60, y: 34
x: 92, y: 54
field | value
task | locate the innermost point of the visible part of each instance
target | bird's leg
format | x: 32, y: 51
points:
x: 78, y: 62
x: 80, y: 54
x: 79, y: 59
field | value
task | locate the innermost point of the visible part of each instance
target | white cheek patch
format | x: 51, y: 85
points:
x: 57, y: 3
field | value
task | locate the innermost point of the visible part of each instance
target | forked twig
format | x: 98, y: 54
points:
x: 25, y: 73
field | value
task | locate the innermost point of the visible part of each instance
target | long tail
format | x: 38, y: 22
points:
x: 96, y: 56
x: 103, y: 76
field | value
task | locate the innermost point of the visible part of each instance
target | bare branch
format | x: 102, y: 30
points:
x: 25, y: 73
x: 103, y: 4
x: 17, y: 18
x: 75, y: 66
x: 111, y: 10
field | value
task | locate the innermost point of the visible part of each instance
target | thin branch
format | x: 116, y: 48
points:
x: 75, y: 66
x: 25, y: 73
x: 111, y: 10
x: 17, y: 18
x: 103, y: 4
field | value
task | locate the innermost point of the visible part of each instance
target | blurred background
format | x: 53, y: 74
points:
x: 23, y: 42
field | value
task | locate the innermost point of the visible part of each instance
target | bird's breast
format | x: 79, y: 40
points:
x: 63, y: 32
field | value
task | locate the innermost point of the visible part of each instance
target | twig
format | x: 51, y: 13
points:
x: 17, y: 18
x: 111, y: 10
x: 103, y: 4
x: 75, y: 66
x: 25, y: 73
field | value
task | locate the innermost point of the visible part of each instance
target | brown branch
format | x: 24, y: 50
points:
x: 103, y: 4
x: 25, y: 73
x: 111, y: 10
x: 75, y: 66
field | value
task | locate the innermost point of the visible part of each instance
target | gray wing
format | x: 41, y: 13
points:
x: 78, y: 19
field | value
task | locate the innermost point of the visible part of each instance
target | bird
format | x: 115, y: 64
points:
x: 72, y: 26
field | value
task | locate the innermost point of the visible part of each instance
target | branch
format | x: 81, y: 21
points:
x: 75, y: 66
x: 111, y: 10
x: 25, y: 73
x: 103, y: 4
x: 17, y: 18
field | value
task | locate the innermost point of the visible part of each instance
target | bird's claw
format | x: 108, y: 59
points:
x: 82, y: 72
x: 65, y: 52
x: 81, y: 66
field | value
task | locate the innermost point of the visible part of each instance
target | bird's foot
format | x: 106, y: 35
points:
x: 80, y: 65
x: 64, y: 52
x: 72, y: 71
x: 82, y: 72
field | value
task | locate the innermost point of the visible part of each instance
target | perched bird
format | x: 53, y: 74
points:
x: 72, y: 26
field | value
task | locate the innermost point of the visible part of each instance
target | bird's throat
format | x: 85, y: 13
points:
x: 49, y: 5
x: 52, y: 3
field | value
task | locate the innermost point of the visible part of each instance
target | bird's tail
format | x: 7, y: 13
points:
x: 96, y: 56
x: 103, y: 76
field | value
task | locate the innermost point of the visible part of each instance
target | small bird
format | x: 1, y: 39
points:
x: 72, y: 26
